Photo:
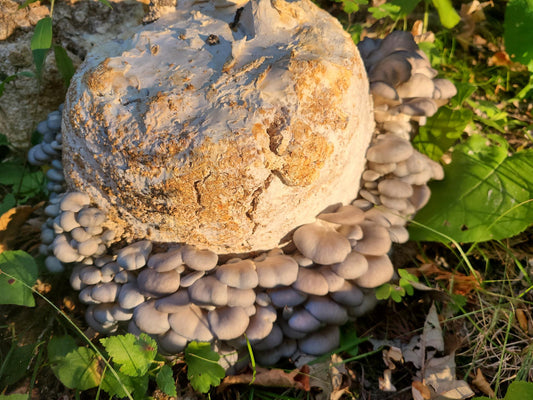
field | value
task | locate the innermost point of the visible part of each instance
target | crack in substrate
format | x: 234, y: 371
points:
x: 255, y: 201
x: 196, y: 185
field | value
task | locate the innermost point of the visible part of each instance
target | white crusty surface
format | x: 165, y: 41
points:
x: 228, y: 146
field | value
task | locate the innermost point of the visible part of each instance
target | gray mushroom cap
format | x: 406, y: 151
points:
x: 352, y: 267
x: 321, y: 342
x: 369, y: 303
x: 380, y: 271
x: 420, y: 197
x: 271, y: 341
x: 398, y: 234
x: 64, y: 251
x: 67, y: 220
x: 286, y: 297
x: 389, y: 148
x: 130, y: 296
x: 167, y: 261
x: 121, y: 314
x: 393, y: 69
x: 349, y: 294
x: 85, y: 296
x: 321, y: 243
x: 209, y: 290
x: 189, y: 279
x: 345, y: 215
x: 156, y: 284
x: 90, y: 216
x: 395, y: 188
x: 418, y: 85
x: 105, y: 292
x: 261, y: 323
x: 326, y: 310
x: 310, y: 281
x: 174, y: 302
x: 74, y: 201
x: 334, y: 281
x: 75, y: 280
x: 191, y: 322
x: 303, y: 321
x: 171, y: 342
x: 240, y: 297
x: 90, y: 275
x: 240, y: 274
x: 276, y: 270
x: 135, y: 255
x: 102, y: 313
x: 200, y: 260
x: 102, y: 328
x: 109, y: 271
x: 149, y: 320
x: 228, y: 322
x: 376, y: 240
x: 290, y: 332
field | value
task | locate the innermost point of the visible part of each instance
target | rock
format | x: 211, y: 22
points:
x: 279, y: 136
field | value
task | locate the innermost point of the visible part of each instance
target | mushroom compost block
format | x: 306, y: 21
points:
x: 222, y: 175
x: 220, y: 127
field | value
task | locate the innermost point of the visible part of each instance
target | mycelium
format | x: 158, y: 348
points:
x: 216, y: 179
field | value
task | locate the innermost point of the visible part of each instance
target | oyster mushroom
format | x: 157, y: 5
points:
x: 321, y: 243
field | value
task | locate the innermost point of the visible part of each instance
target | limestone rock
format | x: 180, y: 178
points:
x: 225, y: 133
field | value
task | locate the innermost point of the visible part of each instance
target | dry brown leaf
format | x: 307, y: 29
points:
x: 10, y: 223
x: 522, y: 319
x: 394, y: 354
x: 422, y: 389
x: 297, y: 378
x: 500, y: 59
x: 385, y: 383
x: 482, y: 384
x: 460, y: 283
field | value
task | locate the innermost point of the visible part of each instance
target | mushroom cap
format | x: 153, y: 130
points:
x: 67, y: 220
x: 303, y: 321
x: 418, y: 85
x: 290, y: 332
x: 64, y: 251
x: 349, y: 294
x: 88, y: 247
x: 286, y: 297
x: 90, y: 216
x: 271, y: 341
x: 110, y: 270
x: 395, y: 188
x: 228, y: 322
x: 105, y: 292
x: 134, y: 256
x: 444, y: 89
x: 326, y: 310
x: 157, y: 284
x: 149, y: 320
x: 240, y: 274
x: 130, y: 296
x: 419, y: 107
x: 90, y: 275
x: 394, y: 203
x: 334, y: 281
x: 376, y: 240
x: 398, y: 234
x: 310, y: 281
x: 321, y: 342
x: 345, y: 215
x: 85, y: 296
x: 384, y: 93
x: 74, y: 201
x: 393, y: 69
x: 105, y: 328
x: 240, y: 297
x: 121, y: 314
x: 166, y: 261
x: 369, y: 303
x: 389, y: 149
x: 380, y: 271
x: 261, y: 323
x: 171, y: 342
x: 321, y: 243
x: 75, y: 280
x: 420, y: 197
x: 174, y: 302
x: 189, y: 279
x: 190, y: 321
x: 102, y: 313
x: 209, y: 290
x: 276, y: 270
x: 200, y: 260
x: 352, y: 267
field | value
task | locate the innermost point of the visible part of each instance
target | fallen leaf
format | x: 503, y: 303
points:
x: 420, y: 391
x: 522, y: 319
x: 385, y: 383
x: 297, y: 378
x: 459, y: 283
x: 10, y: 223
x: 482, y: 384
x: 432, y: 334
x: 394, y: 354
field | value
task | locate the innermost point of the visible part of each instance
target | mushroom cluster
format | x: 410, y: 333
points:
x: 282, y: 300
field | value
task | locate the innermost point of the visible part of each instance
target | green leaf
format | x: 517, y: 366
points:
x: 16, y: 363
x: 106, y: 3
x: 397, y: 294
x: 441, y: 131
x: 406, y: 286
x: 64, y: 64
x: 351, y: 6
x: 79, y: 369
x: 407, y: 276
x: 383, y: 292
x: 518, y: 35
x: 111, y: 385
x: 13, y: 397
x: 350, y: 341
x: 8, y: 203
x: 385, y: 10
x: 42, y: 36
x: 203, y: 369
x: 447, y: 14
x: 27, y: 3
x: 134, y: 355
x: 518, y: 390
x: 8, y: 79
x: 22, y: 268
x: 14, y: 173
x: 406, y: 6
x: 485, y: 195
x: 165, y: 381
x: 39, y: 57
